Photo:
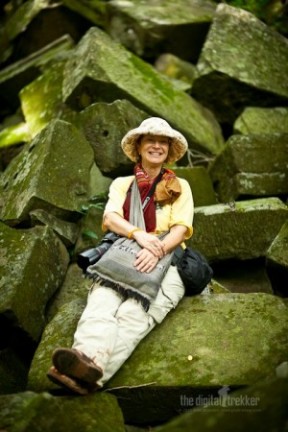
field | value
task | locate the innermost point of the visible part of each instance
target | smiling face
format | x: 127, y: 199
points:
x: 153, y: 150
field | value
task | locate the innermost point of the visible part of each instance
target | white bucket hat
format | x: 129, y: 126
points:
x: 155, y: 126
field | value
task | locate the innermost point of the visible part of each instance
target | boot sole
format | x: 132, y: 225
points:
x: 76, y: 365
x: 64, y: 381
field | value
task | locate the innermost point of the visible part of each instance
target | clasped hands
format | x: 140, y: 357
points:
x: 152, y: 251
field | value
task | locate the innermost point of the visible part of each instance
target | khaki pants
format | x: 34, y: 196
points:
x: 110, y: 328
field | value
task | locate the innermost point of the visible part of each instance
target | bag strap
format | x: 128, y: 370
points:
x: 137, y: 215
x: 152, y: 189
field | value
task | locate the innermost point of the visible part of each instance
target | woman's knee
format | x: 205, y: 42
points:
x: 171, y: 292
x: 101, y: 301
x: 132, y: 315
x: 172, y: 286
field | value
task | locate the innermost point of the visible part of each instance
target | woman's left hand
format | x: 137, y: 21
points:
x: 145, y: 261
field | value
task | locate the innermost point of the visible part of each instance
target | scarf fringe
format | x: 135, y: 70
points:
x: 125, y: 293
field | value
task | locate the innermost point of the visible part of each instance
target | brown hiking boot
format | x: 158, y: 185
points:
x: 76, y: 364
x: 64, y: 381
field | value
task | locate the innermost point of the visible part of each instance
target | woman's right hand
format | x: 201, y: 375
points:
x: 150, y: 242
x: 145, y: 261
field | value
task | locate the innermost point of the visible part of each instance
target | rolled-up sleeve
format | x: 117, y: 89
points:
x: 117, y: 195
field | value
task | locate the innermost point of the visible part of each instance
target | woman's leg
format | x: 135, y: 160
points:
x: 96, y: 332
x: 171, y: 292
x: 109, y: 329
x: 134, y: 323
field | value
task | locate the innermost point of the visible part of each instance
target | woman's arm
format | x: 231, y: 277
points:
x: 116, y: 223
x: 146, y: 260
x: 153, y: 248
x: 174, y: 238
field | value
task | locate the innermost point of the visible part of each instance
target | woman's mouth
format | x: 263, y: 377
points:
x: 155, y: 153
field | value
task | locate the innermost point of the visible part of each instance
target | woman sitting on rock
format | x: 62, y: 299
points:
x: 114, y: 321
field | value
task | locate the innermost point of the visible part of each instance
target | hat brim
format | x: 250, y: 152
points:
x: 177, y: 149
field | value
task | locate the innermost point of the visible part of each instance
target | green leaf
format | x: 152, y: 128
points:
x: 90, y: 234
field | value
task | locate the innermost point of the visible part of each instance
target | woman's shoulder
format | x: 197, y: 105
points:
x: 124, y: 179
x: 186, y: 190
x: 122, y: 182
x: 184, y: 182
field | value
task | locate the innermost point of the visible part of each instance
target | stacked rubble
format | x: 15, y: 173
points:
x: 75, y: 77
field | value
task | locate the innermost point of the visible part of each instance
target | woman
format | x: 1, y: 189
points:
x: 111, y: 325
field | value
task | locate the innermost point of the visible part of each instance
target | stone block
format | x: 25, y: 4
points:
x: 251, y: 165
x: 58, y: 332
x: 103, y: 70
x: 41, y: 100
x: 105, y: 135
x: 277, y: 261
x: 235, y: 67
x: 180, y: 72
x: 19, y: 74
x: 240, y: 230
x: 45, y: 412
x: 51, y: 173
x: 67, y: 231
x: 258, y: 407
x: 200, y: 183
x: 149, y: 28
x: 255, y: 120
x: 207, y: 343
x: 33, y: 267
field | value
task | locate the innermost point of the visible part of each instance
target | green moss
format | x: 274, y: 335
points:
x: 223, y: 347
x: 14, y: 135
x: 115, y: 71
x: 31, y: 411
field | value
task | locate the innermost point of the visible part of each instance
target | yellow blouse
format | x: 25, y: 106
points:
x: 181, y: 212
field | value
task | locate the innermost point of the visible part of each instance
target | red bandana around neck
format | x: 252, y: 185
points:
x: 167, y: 190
